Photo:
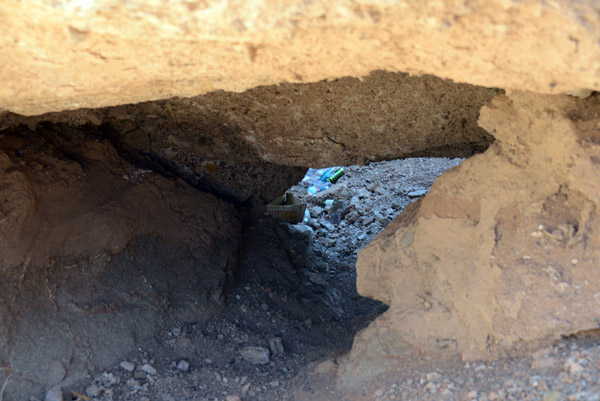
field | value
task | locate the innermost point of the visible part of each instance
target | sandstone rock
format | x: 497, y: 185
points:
x: 66, y: 56
x: 460, y: 269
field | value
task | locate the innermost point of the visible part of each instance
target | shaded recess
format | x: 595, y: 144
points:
x: 250, y: 144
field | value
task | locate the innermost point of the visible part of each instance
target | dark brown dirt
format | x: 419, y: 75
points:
x: 250, y: 144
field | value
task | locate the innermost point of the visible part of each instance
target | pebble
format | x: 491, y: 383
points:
x: 255, y: 355
x: 148, y: 369
x: 433, y: 376
x: 232, y: 398
x: 54, y: 394
x: 93, y: 391
x: 553, y: 396
x: 417, y: 193
x: 315, y: 211
x: 276, y: 346
x: 134, y: 384
x: 183, y: 366
x: 431, y: 387
x: 573, y: 368
x: 128, y: 366
x: 140, y: 375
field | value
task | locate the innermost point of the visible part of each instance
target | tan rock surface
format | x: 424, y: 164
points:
x: 66, y: 54
x: 504, y: 249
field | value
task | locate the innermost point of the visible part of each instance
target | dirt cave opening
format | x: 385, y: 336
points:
x: 135, y: 250
x: 297, y: 283
x: 196, y: 299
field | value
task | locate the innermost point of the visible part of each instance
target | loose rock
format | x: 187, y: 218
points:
x: 183, y: 366
x: 148, y: 369
x: 255, y: 355
x: 276, y: 346
x: 128, y: 366
x: 54, y: 394
x: 93, y: 391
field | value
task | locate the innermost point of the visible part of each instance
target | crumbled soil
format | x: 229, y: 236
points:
x: 303, y: 294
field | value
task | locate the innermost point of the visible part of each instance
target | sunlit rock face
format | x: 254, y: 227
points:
x: 503, y: 250
x: 67, y: 54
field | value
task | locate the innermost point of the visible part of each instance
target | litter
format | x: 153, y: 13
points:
x: 317, y: 180
x: 287, y: 208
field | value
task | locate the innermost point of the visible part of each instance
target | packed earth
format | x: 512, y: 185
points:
x: 293, y: 310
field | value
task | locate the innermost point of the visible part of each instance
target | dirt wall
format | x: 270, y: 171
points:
x: 96, y: 254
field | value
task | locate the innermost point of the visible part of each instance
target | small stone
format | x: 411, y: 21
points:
x: 315, y: 211
x: 134, y: 384
x: 255, y: 355
x: 148, y: 369
x: 93, y: 391
x: 54, y: 394
x: 232, y: 398
x: 381, y: 191
x: 472, y: 394
x: 573, y: 368
x: 183, y: 366
x: 431, y: 387
x: 553, y: 396
x: 433, y: 376
x: 140, y: 375
x: 274, y: 383
x: 128, y: 366
x: 363, y: 193
x: 417, y: 193
x: 108, y: 379
x: 493, y: 396
x: 276, y: 346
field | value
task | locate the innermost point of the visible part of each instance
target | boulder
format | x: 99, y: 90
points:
x: 502, y: 251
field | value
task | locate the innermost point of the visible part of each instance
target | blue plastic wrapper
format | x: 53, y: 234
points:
x: 316, y: 179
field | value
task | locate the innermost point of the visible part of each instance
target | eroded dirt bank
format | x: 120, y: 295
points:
x: 96, y: 254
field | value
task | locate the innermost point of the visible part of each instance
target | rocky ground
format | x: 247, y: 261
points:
x: 294, y: 310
